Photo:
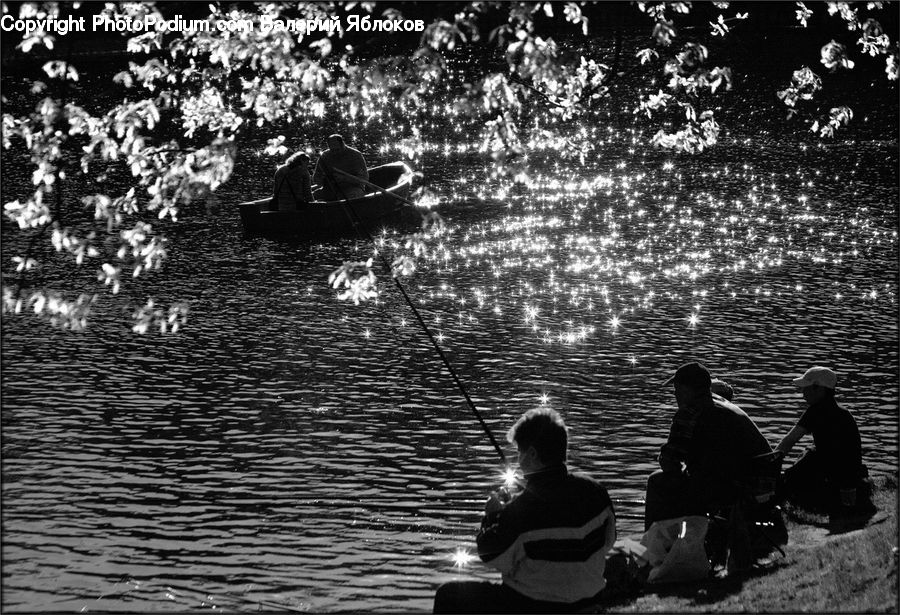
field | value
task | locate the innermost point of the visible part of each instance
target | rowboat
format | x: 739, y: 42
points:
x: 324, y: 218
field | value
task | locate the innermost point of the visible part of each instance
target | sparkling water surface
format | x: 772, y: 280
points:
x: 289, y: 451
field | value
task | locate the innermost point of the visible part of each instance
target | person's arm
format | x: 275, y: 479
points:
x: 610, y: 526
x: 306, y: 186
x: 498, y: 533
x: 675, y: 451
x: 669, y: 460
x: 319, y: 173
x: 788, y: 442
x: 355, y: 165
x: 276, y: 181
x: 364, y: 171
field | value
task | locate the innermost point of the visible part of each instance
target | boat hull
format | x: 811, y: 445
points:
x: 345, y: 217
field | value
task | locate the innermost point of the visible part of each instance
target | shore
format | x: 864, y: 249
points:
x: 828, y: 567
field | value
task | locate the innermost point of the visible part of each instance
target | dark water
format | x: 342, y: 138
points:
x: 287, y: 451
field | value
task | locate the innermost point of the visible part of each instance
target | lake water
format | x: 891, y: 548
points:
x: 288, y: 451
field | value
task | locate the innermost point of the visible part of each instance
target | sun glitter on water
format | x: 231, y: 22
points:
x: 462, y: 557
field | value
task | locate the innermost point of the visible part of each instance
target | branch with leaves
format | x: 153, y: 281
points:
x: 185, y: 101
x: 806, y: 84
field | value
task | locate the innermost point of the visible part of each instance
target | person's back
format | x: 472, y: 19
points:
x: 347, y: 159
x: 551, y: 540
x: 293, y: 185
x: 336, y: 169
x: 836, y: 438
x: 725, y: 440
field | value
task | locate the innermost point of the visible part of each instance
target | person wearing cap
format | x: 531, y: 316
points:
x: 830, y: 476
x: 709, y: 450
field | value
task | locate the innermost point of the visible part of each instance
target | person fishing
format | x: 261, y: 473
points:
x: 293, y: 186
x: 335, y: 170
x: 549, y: 541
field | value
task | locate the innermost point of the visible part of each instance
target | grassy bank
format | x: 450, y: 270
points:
x: 828, y: 568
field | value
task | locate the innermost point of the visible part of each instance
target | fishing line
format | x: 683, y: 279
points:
x: 364, y: 234
x: 433, y: 505
x: 464, y: 508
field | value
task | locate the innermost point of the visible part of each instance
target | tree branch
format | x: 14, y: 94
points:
x: 543, y: 95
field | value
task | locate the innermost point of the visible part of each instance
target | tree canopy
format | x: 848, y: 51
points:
x: 198, y: 80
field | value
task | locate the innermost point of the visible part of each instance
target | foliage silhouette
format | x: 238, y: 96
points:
x: 191, y: 94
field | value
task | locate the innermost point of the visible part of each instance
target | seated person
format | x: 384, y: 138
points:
x: 549, y: 541
x: 830, y: 476
x: 710, y: 449
x: 333, y: 168
x: 293, y: 186
x: 722, y: 389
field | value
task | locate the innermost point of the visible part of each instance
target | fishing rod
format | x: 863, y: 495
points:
x: 464, y: 506
x: 629, y: 501
x: 235, y: 600
x: 463, y: 509
x: 364, y: 234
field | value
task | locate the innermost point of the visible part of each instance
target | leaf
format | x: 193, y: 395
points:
x: 803, y: 14
x: 834, y: 55
x: 646, y: 55
x: 664, y: 32
x: 323, y: 45
x: 124, y: 78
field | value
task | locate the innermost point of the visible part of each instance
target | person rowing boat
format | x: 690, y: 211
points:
x: 345, y: 185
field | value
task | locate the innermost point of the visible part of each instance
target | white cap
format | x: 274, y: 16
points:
x: 817, y: 375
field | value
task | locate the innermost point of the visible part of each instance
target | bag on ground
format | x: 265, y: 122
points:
x: 676, y: 551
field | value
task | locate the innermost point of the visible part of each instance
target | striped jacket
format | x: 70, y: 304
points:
x: 550, y: 541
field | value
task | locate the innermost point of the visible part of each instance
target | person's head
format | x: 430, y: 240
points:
x: 816, y: 384
x: 542, y: 439
x: 335, y: 141
x: 722, y: 389
x: 692, y: 381
x: 298, y: 159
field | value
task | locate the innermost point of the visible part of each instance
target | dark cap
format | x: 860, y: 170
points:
x: 692, y: 374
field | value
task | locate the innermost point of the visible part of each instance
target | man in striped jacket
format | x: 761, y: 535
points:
x: 549, y: 541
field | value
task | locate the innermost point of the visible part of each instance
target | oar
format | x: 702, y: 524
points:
x: 371, y: 185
